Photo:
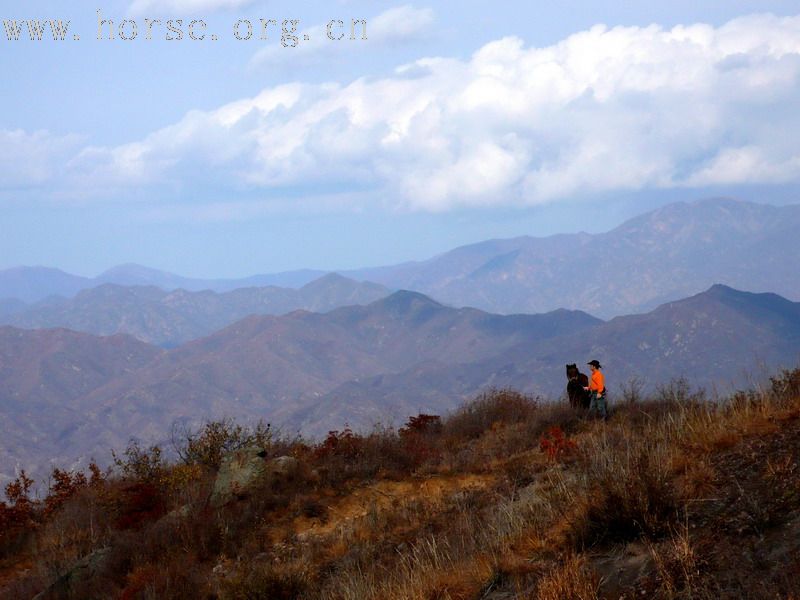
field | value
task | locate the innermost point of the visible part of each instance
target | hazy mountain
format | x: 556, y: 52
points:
x: 721, y: 339
x: 172, y: 318
x: 270, y: 365
x: 31, y: 284
x: 667, y: 254
x: 670, y: 253
x: 11, y: 306
x: 42, y: 376
x: 132, y: 274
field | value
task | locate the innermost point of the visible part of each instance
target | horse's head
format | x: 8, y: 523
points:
x: 572, y: 371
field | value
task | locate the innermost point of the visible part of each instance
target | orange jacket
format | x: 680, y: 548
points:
x: 597, y: 383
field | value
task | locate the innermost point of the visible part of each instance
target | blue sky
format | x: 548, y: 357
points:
x: 454, y: 122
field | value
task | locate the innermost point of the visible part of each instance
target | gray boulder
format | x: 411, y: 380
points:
x: 243, y: 469
x: 238, y: 472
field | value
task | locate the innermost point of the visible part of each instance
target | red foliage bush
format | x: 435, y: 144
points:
x: 344, y: 444
x: 16, y: 516
x: 64, y: 485
x: 419, y: 439
x: 19, y: 510
x: 555, y: 443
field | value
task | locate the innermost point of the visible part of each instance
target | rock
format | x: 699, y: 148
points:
x: 237, y: 474
x: 285, y: 466
x: 241, y: 470
x: 81, y: 571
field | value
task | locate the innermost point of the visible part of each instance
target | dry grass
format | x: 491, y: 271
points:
x: 573, y: 578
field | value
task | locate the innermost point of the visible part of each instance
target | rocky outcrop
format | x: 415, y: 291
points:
x: 240, y: 471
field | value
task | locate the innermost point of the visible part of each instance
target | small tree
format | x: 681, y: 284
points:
x: 207, y: 445
x: 64, y: 484
x: 16, y: 515
x: 141, y: 464
x: 632, y: 390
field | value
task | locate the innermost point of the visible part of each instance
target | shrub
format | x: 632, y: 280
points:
x: 137, y: 504
x: 344, y: 444
x: 174, y: 576
x: 215, y: 439
x: 346, y: 455
x: 141, y: 464
x: 679, y: 391
x: 786, y: 385
x: 420, y: 440
x: 16, y: 516
x: 422, y: 424
x: 497, y: 406
x: 632, y: 391
x: 63, y: 486
x: 630, y: 494
x: 555, y: 443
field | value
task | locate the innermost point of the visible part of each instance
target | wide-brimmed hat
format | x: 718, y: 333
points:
x: 594, y: 363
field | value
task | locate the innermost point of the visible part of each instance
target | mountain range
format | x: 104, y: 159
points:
x: 33, y: 284
x: 170, y: 318
x: 73, y: 395
x: 722, y: 340
x: 666, y: 254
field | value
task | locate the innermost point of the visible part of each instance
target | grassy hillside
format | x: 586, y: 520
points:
x: 673, y: 497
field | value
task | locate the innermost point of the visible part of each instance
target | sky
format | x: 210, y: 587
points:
x: 451, y: 123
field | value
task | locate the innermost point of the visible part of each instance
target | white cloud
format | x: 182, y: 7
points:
x: 32, y: 159
x: 184, y: 7
x: 401, y: 23
x: 603, y: 110
x: 745, y: 165
x: 396, y: 25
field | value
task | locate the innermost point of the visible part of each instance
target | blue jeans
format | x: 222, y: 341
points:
x: 598, y: 403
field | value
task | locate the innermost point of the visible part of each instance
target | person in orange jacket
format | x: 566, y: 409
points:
x: 597, y: 389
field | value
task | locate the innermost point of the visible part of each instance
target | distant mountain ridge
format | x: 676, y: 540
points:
x: 667, y: 254
x: 133, y: 274
x: 34, y: 284
x: 165, y: 318
x: 402, y: 354
x: 31, y: 284
x: 675, y: 251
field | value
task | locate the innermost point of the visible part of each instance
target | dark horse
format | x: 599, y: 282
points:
x: 578, y: 397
